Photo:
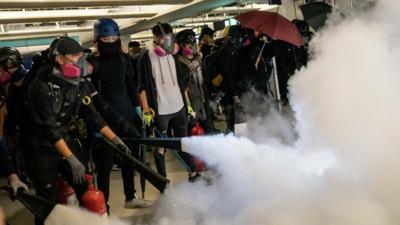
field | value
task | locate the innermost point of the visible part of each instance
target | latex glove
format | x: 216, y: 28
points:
x: 121, y: 145
x: 191, y: 111
x: 16, y: 184
x: 77, y: 168
x: 138, y: 111
x: 148, y: 116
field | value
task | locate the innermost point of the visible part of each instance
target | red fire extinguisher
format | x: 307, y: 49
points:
x: 197, y: 130
x: 66, y: 194
x: 199, y: 164
x: 93, y: 199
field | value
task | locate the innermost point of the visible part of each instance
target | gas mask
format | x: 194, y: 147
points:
x: 5, y: 77
x: 189, y: 51
x: 166, y: 45
x: 74, y: 70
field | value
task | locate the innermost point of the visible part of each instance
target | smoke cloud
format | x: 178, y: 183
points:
x: 335, y: 163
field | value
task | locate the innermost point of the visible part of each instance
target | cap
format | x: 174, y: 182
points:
x: 67, y: 45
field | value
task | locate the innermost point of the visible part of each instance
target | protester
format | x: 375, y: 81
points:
x: 163, y: 92
x: 55, y: 98
x: 114, y: 78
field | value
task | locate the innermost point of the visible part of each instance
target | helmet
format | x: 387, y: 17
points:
x: 105, y: 27
x: 185, y: 36
x: 10, y: 57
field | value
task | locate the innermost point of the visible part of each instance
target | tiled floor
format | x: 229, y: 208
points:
x: 18, y: 215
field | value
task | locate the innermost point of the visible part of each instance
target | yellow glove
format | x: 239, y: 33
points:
x: 148, y: 116
x: 191, y: 111
x: 217, y: 80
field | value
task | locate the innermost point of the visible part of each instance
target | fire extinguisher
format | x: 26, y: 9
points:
x: 197, y: 130
x: 66, y: 194
x: 199, y: 164
x: 93, y: 200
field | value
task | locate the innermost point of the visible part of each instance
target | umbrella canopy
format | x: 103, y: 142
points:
x: 316, y: 13
x: 271, y: 24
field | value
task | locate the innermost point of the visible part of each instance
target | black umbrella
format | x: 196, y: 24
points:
x: 316, y: 13
x: 38, y: 206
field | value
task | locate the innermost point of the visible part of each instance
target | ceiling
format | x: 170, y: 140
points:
x: 32, y: 19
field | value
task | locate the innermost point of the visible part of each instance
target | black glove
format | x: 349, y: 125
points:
x: 121, y: 145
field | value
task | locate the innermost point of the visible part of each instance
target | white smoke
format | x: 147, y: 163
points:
x: 343, y: 167
x: 67, y: 215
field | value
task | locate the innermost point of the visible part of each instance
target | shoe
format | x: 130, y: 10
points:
x: 138, y: 203
x: 198, y: 177
x: 194, y: 177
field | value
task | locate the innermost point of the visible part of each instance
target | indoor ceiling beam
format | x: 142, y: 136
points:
x: 54, y: 32
x: 7, y: 4
x: 44, y: 18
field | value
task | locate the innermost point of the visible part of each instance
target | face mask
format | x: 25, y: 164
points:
x: 161, y: 51
x: 109, y: 49
x: 18, y: 74
x: 70, y: 71
x: 4, y: 77
x: 247, y: 42
x: 187, y: 52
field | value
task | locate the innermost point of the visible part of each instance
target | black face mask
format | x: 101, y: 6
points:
x: 109, y: 49
x: 18, y: 74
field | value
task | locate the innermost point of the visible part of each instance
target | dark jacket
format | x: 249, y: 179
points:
x: 115, y: 80
x: 195, y: 89
x: 146, y: 81
x: 16, y: 108
x: 54, y: 104
x: 225, y: 61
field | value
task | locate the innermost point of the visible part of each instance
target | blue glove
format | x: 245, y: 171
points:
x: 138, y: 111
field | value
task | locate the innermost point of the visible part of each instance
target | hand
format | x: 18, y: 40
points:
x: 148, y: 116
x: 16, y: 184
x: 191, y: 111
x: 121, y: 145
x: 77, y: 168
x: 138, y: 111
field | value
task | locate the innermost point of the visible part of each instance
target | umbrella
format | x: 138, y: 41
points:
x: 273, y: 25
x: 315, y: 13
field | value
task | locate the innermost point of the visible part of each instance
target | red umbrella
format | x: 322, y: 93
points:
x: 273, y: 25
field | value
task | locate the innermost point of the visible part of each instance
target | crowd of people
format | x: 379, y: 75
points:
x: 51, y: 115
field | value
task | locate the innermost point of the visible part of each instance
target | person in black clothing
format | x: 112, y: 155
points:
x: 134, y: 52
x: 163, y: 93
x: 192, y: 69
x: 55, y: 99
x: 206, y: 41
x: 11, y: 61
x: 113, y: 77
x: 226, y: 62
x: 6, y: 165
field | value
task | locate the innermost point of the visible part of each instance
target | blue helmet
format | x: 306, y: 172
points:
x: 105, y: 27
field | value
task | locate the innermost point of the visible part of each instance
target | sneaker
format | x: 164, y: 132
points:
x: 197, y: 177
x: 194, y: 177
x: 138, y: 203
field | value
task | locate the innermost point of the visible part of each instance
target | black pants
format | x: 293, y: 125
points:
x: 178, y: 122
x: 104, y: 159
x: 46, y: 166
